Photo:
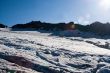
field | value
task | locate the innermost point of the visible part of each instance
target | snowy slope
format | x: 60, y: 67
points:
x: 33, y: 52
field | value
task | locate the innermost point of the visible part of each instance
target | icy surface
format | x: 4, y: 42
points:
x: 35, y: 52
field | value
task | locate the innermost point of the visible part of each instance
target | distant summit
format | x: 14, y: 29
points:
x: 2, y: 26
x: 100, y: 28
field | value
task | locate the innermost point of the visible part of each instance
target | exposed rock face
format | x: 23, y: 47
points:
x: 2, y: 26
x: 46, y: 26
x: 100, y: 28
x: 84, y: 28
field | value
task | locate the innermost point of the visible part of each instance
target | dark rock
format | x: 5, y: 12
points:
x: 2, y: 26
x: 45, y: 26
x: 100, y: 28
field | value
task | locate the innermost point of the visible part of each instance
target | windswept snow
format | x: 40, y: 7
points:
x: 33, y: 52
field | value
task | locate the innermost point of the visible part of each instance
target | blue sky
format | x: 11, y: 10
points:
x: 79, y: 11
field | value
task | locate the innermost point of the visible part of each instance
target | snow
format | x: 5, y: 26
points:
x: 48, y: 53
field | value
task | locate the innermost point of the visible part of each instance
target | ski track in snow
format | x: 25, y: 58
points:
x: 34, y: 52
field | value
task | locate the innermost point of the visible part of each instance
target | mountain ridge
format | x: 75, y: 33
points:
x: 95, y: 27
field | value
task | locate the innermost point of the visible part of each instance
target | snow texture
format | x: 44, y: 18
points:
x: 35, y: 52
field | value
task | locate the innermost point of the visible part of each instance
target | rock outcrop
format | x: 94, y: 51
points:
x: 100, y: 28
x: 45, y: 26
x: 2, y: 25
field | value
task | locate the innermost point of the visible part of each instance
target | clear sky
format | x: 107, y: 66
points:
x: 80, y: 11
